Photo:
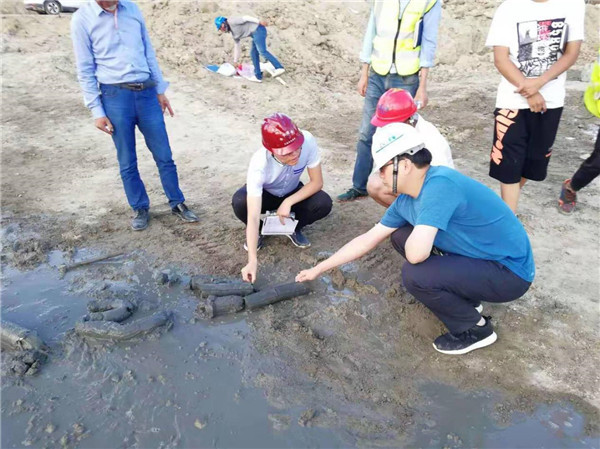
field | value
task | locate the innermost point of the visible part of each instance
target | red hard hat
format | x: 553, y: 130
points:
x: 280, y: 135
x: 395, y: 105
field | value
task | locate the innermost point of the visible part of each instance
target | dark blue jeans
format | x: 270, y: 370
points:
x: 259, y: 48
x: 451, y: 286
x: 375, y: 89
x: 125, y: 109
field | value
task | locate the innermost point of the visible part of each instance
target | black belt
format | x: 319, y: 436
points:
x: 135, y: 86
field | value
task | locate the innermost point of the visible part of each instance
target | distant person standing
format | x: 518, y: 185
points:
x: 535, y: 42
x: 590, y: 168
x: 398, y: 51
x: 123, y: 87
x: 246, y: 26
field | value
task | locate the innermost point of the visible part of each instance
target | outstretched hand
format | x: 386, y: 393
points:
x: 249, y: 272
x: 308, y: 275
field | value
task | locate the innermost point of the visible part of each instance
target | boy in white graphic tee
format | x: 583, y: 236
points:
x: 535, y: 42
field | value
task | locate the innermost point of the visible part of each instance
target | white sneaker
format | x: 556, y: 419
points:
x: 254, y: 79
x: 278, y: 72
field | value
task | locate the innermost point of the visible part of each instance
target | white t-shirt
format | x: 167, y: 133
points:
x: 265, y: 172
x: 535, y: 33
x: 435, y: 143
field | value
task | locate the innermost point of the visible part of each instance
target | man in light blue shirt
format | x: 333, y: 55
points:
x: 373, y: 85
x: 123, y: 87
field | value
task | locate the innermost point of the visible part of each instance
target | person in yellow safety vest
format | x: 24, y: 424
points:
x: 591, y: 166
x: 398, y: 51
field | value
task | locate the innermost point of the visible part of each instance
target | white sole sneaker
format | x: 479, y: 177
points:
x: 480, y: 344
x: 278, y: 72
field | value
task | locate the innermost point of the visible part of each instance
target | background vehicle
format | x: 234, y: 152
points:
x: 53, y: 6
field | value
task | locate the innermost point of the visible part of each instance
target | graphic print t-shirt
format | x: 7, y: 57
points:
x: 536, y: 34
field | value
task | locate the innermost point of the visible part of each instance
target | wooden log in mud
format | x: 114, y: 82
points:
x: 221, y: 305
x: 108, y: 330
x: 64, y: 268
x: 116, y: 310
x: 222, y: 289
x: 271, y: 295
x: 16, y: 338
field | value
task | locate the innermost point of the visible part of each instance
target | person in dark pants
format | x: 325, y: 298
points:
x: 398, y: 51
x: 123, y: 87
x: 586, y: 173
x: 273, y: 184
x: 462, y: 243
x: 591, y: 166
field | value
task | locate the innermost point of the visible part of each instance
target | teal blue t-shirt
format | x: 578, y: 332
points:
x: 472, y: 220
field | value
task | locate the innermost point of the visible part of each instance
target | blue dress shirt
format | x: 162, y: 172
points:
x: 431, y: 21
x: 112, y: 48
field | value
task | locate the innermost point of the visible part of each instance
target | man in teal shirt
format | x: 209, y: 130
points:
x: 462, y: 243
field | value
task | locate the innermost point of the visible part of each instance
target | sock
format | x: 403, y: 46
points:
x: 481, y: 322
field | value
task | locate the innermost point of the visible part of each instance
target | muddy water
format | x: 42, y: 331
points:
x: 186, y: 387
x: 456, y: 419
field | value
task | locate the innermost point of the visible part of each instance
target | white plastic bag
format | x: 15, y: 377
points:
x: 227, y: 69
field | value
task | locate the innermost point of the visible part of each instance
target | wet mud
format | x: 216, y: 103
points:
x: 282, y: 376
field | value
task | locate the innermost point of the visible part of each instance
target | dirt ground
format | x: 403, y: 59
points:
x: 362, y: 356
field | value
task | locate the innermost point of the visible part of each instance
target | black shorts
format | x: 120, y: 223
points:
x: 522, y: 144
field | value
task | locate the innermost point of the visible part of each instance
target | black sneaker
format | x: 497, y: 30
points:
x: 258, y: 246
x: 351, y: 195
x: 474, y: 338
x: 182, y: 211
x: 299, y: 239
x: 141, y: 219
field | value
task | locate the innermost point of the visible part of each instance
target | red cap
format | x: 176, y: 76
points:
x: 395, y: 105
x: 280, y: 135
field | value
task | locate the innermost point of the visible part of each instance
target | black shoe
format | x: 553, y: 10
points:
x: 474, y: 338
x: 351, y: 195
x: 182, y: 211
x: 141, y: 219
x: 299, y: 239
x: 258, y: 246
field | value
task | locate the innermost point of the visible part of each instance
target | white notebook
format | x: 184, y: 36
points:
x: 272, y: 226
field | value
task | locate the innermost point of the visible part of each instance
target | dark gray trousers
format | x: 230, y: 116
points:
x: 451, y: 286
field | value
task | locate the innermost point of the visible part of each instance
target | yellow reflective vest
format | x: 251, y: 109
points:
x: 397, y: 38
x: 591, y: 98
